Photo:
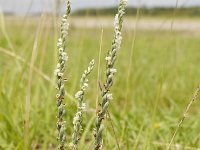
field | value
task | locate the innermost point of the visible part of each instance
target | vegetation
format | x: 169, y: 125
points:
x: 81, y: 106
x: 110, y: 72
x: 163, y: 75
x: 145, y: 11
x: 59, y: 72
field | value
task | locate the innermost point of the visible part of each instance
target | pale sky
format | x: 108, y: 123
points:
x: 34, y: 6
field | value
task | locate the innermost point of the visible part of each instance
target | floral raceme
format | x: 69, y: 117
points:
x: 59, y: 72
x: 110, y: 72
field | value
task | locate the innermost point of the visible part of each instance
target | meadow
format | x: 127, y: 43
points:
x: 158, y: 73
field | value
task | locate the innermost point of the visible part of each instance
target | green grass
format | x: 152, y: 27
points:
x: 164, y: 74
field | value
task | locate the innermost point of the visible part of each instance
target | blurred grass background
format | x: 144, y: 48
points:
x: 163, y: 76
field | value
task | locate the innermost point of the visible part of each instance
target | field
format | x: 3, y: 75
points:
x: 151, y: 91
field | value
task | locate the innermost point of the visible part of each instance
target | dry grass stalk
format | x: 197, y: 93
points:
x: 185, y: 115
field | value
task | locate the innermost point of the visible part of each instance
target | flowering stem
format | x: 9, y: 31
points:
x: 78, y: 118
x: 62, y: 58
x: 110, y: 71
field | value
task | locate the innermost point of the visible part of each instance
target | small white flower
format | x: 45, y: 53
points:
x: 64, y: 18
x: 76, y: 119
x: 60, y: 74
x: 116, y: 18
x: 108, y: 58
x: 56, y: 71
x: 58, y: 66
x: 113, y: 70
x: 125, y: 1
x: 59, y: 42
x: 109, y: 96
x: 84, y: 76
x: 85, y: 85
x: 84, y: 107
x: 64, y: 56
x: 92, y: 63
x: 61, y: 50
x: 78, y: 94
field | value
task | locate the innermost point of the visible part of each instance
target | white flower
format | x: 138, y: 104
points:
x: 92, y: 63
x: 113, y: 70
x: 60, y: 74
x: 76, y: 119
x: 78, y: 94
x: 85, y: 85
x: 108, y: 58
x: 56, y: 71
x: 58, y: 66
x: 59, y: 42
x: 61, y: 50
x: 116, y: 21
x: 64, y: 18
x: 64, y: 56
x: 84, y: 107
x: 109, y: 96
x: 125, y: 1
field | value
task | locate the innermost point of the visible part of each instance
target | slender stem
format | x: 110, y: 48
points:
x: 98, y: 74
x: 196, y: 94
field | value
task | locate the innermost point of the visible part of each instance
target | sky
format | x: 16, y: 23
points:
x: 22, y: 7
